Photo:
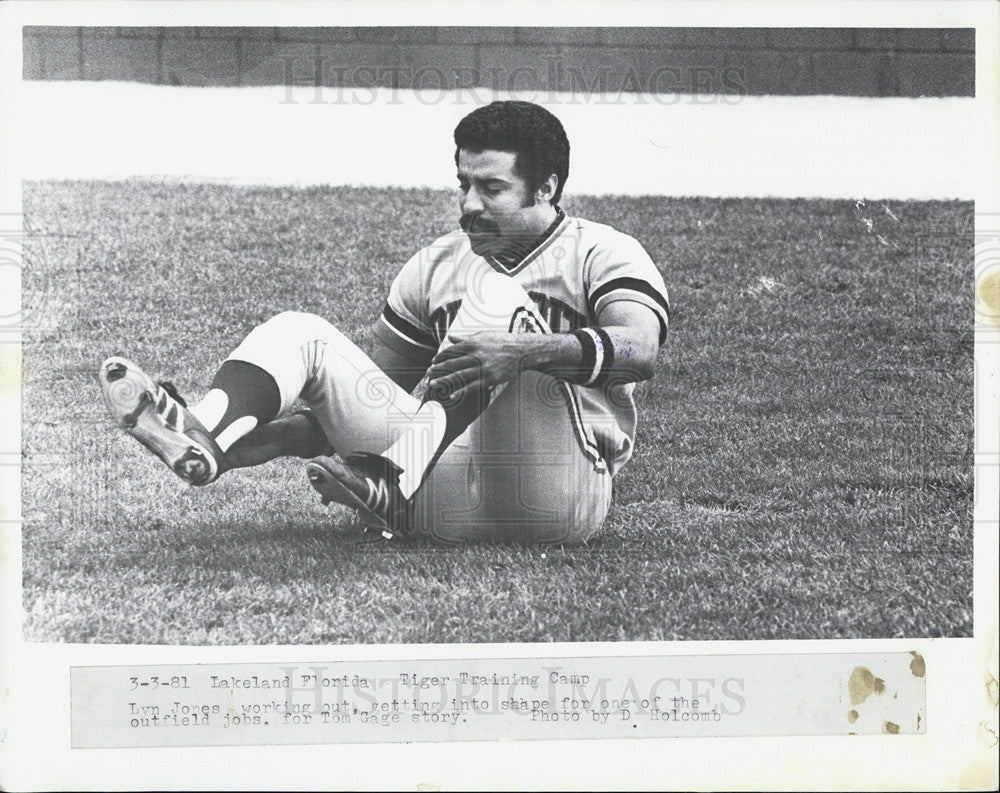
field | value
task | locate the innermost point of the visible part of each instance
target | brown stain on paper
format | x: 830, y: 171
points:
x: 988, y: 292
x: 890, y: 728
x: 917, y: 665
x: 862, y: 684
x: 852, y: 716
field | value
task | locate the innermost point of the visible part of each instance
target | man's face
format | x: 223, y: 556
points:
x: 497, y: 205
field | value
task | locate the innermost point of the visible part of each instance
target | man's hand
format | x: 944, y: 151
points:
x: 485, y: 360
x: 482, y: 361
x: 488, y: 359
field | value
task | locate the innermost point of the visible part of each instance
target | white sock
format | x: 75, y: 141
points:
x: 416, y: 447
x: 211, y: 409
x: 235, y: 431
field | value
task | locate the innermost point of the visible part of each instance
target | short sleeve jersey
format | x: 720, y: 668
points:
x: 573, y: 274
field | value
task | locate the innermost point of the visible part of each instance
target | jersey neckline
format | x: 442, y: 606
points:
x: 559, y: 227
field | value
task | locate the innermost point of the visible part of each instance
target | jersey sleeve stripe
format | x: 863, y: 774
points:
x: 407, y: 330
x: 635, y: 285
x: 406, y: 338
x: 639, y: 297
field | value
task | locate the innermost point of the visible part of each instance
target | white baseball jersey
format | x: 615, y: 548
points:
x: 577, y: 270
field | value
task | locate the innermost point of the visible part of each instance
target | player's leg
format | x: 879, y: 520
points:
x: 520, y: 474
x: 293, y: 355
x: 386, y: 483
x: 296, y: 434
x: 356, y: 404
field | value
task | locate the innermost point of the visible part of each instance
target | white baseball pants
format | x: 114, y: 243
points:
x: 517, y: 474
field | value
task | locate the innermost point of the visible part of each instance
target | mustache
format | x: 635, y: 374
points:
x: 474, y: 222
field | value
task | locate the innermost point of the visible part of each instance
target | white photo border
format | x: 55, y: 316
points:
x: 959, y: 748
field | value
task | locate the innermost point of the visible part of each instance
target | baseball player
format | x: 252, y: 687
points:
x: 529, y: 327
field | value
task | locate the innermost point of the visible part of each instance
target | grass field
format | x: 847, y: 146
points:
x: 803, y: 465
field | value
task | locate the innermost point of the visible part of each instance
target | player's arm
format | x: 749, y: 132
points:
x: 635, y: 334
x: 632, y: 332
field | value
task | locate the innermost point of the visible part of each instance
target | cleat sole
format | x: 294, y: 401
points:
x: 175, y: 449
x: 129, y: 420
x: 115, y: 371
x: 332, y: 491
x: 130, y: 398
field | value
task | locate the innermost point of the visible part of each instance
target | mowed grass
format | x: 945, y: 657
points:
x: 803, y: 466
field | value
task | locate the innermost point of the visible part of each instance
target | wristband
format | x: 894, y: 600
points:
x: 598, y: 355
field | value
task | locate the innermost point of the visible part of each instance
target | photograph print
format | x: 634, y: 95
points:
x: 447, y: 335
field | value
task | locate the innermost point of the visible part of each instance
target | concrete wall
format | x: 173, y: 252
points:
x: 790, y: 61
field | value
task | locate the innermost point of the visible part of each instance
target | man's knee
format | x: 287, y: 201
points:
x: 293, y: 329
x: 293, y: 324
x: 514, y: 502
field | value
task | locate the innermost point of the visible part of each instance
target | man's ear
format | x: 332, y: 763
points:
x: 547, y: 189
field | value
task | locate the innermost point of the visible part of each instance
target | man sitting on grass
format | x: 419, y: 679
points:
x: 532, y: 328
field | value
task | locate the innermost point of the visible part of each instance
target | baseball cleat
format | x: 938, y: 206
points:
x: 368, y: 483
x: 156, y: 416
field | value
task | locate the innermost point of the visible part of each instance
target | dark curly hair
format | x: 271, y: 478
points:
x: 525, y: 129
